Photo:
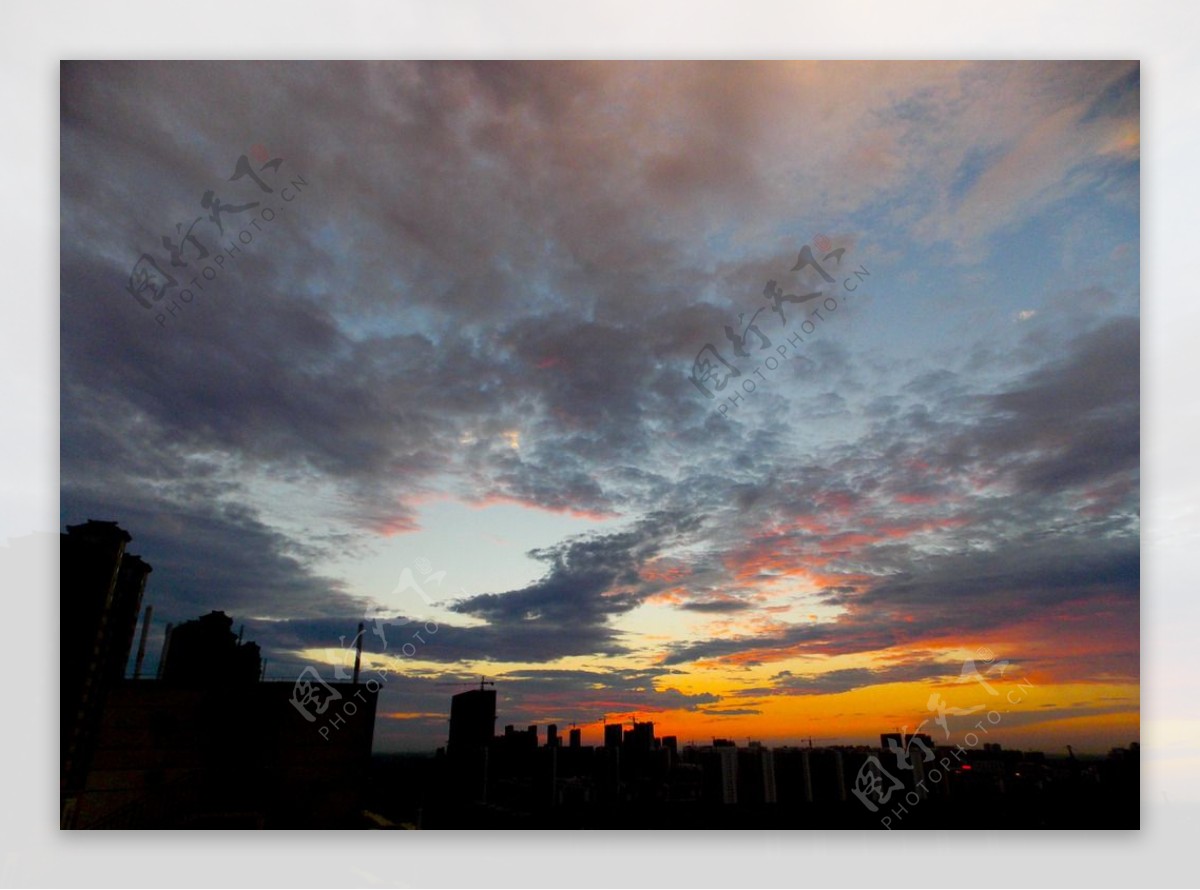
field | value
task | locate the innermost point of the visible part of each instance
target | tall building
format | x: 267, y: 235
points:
x: 576, y: 738
x: 127, y: 605
x: 726, y: 763
x: 100, y: 594
x: 206, y: 652
x: 612, y: 735
x: 640, y: 737
x: 472, y: 719
x: 827, y: 775
x: 756, y: 775
x: 793, y: 774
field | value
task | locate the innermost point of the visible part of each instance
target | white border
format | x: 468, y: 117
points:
x: 1159, y: 32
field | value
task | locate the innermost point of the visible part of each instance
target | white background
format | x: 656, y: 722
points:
x: 1163, y: 35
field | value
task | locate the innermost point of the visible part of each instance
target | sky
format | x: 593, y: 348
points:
x: 452, y: 372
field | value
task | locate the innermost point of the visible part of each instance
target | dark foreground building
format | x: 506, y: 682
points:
x: 100, y: 593
x: 221, y: 757
x: 207, y: 744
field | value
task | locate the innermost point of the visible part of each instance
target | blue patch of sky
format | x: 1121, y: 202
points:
x: 481, y: 550
x: 973, y: 166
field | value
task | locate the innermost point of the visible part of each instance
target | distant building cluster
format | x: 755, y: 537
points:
x: 637, y: 779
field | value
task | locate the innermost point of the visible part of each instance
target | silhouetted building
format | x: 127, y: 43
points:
x: 228, y: 757
x: 828, y: 775
x: 892, y: 741
x: 472, y: 728
x: 472, y: 719
x: 640, y: 737
x: 126, y: 606
x: 209, y: 745
x: 100, y: 595
x: 636, y: 780
x: 206, y: 652
x: 793, y: 778
x: 720, y: 763
x: 756, y: 775
x: 517, y: 739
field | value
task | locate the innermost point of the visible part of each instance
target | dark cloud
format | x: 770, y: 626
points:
x: 590, y: 581
x: 730, y: 605
x: 846, y: 679
x: 223, y: 557
x: 1076, y: 422
x: 493, y: 286
x: 731, y: 712
x: 967, y: 595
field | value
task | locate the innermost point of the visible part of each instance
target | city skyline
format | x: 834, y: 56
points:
x: 457, y: 380
x: 208, y: 742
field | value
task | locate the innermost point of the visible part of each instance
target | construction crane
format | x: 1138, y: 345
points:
x: 483, y: 681
x: 632, y: 718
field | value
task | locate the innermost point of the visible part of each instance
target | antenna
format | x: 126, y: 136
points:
x: 358, y: 650
x: 141, y: 649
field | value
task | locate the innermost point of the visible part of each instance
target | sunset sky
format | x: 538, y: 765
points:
x: 458, y: 356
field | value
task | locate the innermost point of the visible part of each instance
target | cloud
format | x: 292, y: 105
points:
x: 731, y: 712
x: 1075, y: 423
x: 224, y: 558
x: 846, y: 679
x: 928, y: 559
x: 492, y: 287
x: 590, y: 581
x: 729, y: 605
